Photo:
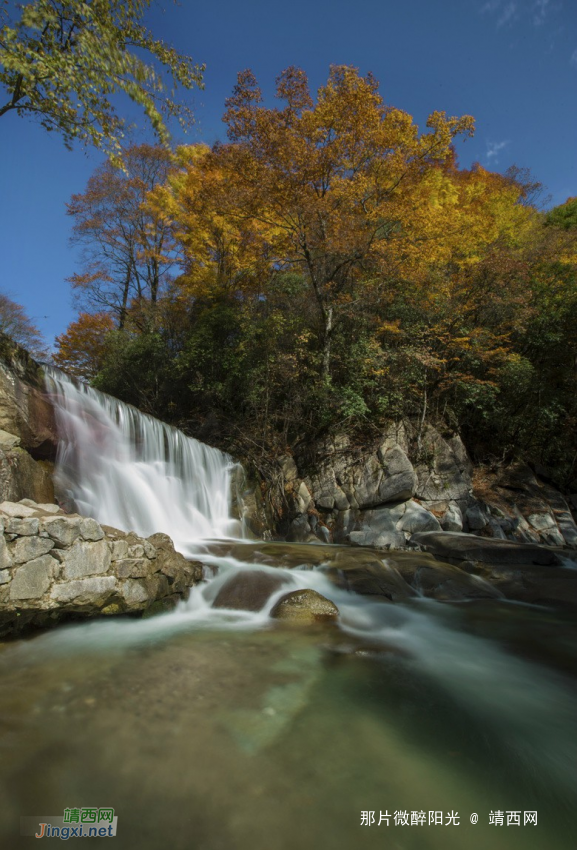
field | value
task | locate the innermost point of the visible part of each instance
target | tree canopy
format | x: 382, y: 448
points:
x: 63, y: 61
x: 336, y: 269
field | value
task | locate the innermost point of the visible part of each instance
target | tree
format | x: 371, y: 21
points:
x: 18, y: 327
x: 64, y: 60
x: 127, y: 247
x: 334, y: 190
x: 81, y: 349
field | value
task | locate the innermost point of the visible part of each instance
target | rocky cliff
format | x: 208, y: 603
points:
x: 405, y: 483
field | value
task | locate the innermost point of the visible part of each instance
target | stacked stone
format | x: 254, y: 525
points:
x: 54, y: 564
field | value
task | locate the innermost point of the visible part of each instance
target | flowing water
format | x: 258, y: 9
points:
x: 214, y: 729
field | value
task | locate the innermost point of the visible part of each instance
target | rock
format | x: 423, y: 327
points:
x: 119, y: 549
x: 90, y: 529
x: 85, y: 558
x: 28, y: 548
x: 452, y: 519
x: 32, y: 580
x: 468, y: 547
x: 305, y: 607
x: 14, y: 509
x: 5, y: 557
x: 8, y: 441
x: 64, y: 530
x: 540, y: 522
x: 248, y: 590
x: 366, y: 573
x: 475, y: 518
x: 21, y: 475
x: 22, y: 527
x: 43, y: 506
x: 288, y: 468
x: 135, y: 593
x: 135, y: 568
x: 446, y: 474
x: 88, y: 592
x: 416, y: 518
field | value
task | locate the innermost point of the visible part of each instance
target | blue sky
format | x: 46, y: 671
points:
x: 512, y: 64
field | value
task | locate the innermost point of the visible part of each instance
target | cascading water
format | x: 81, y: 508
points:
x: 133, y: 472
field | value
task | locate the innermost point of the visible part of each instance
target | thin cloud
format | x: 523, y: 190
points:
x: 494, y: 149
x: 573, y: 59
x: 541, y: 9
x: 507, y: 14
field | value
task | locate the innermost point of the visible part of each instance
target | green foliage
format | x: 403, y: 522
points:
x: 63, y: 61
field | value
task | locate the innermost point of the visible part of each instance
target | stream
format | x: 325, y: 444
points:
x: 218, y: 729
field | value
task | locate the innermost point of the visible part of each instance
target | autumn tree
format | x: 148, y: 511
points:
x: 15, y: 324
x: 62, y: 62
x: 81, y: 349
x: 327, y: 188
x: 127, y: 248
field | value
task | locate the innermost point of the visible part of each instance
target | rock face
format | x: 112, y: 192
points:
x: 55, y: 566
x: 28, y: 436
x: 406, y: 484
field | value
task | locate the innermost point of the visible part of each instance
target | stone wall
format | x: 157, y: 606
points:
x: 56, y: 566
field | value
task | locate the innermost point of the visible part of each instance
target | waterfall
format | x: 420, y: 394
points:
x: 131, y: 471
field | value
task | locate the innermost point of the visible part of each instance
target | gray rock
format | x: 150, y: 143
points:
x: 5, y: 557
x: 416, y: 518
x: 28, y: 548
x: 32, y: 580
x: 475, y: 518
x: 85, y: 558
x: 540, y: 522
x: 136, y: 551
x: 87, y: 592
x: 63, y: 530
x: 135, y: 568
x: 134, y: 593
x: 469, y: 547
x: 5, y: 576
x: 452, y: 519
x: 22, y: 527
x: 15, y: 509
x: 119, y: 550
x: 90, y: 529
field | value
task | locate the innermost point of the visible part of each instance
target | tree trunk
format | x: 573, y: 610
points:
x: 328, y: 331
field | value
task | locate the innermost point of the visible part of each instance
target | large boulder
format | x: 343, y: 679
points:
x: 248, y: 590
x: 305, y: 607
x: 454, y: 545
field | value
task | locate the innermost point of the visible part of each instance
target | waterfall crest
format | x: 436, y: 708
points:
x: 132, y: 471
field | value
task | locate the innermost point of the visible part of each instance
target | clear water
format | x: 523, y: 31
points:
x: 220, y: 730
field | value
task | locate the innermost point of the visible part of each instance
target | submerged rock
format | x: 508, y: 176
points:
x: 305, y: 607
x: 446, y: 544
x: 248, y: 590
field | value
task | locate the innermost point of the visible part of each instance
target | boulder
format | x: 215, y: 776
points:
x: 446, y: 544
x: 305, y: 607
x: 248, y: 590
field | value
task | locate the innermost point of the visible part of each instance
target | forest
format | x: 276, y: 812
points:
x: 329, y: 268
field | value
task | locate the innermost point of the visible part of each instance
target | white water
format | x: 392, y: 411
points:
x: 135, y: 473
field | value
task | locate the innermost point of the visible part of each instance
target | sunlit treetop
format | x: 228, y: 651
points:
x: 63, y: 61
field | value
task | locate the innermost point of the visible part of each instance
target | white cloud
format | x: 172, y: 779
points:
x: 506, y: 15
x: 494, y: 149
x: 541, y: 9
